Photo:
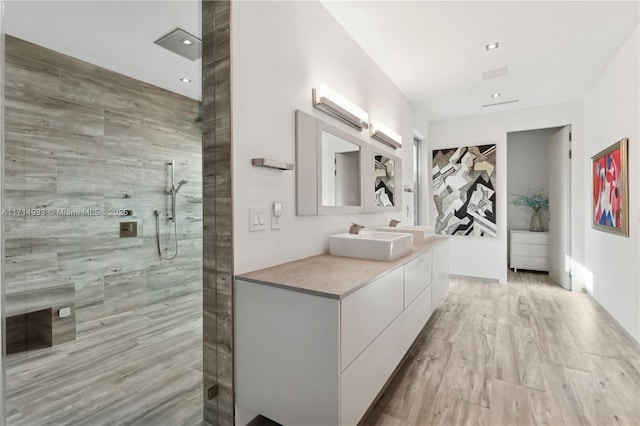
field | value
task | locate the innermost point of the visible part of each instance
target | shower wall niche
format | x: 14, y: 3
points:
x: 84, y: 144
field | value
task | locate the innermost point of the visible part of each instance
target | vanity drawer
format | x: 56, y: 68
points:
x: 416, y: 316
x: 365, y: 377
x: 368, y: 311
x: 417, y: 276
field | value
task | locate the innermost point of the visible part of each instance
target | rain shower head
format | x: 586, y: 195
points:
x: 182, y: 43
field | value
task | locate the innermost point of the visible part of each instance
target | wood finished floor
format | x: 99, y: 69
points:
x: 525, y: 353
x: 140, y: 367
x: 528, y: 353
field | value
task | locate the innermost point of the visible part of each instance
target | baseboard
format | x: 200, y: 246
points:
x: 624, y: 331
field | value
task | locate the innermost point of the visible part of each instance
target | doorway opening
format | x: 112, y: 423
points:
x: 538, y: 175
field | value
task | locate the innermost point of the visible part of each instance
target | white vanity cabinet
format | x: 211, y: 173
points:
x: 440, y: 272
x: 306, y: 357
x: 365, y: 313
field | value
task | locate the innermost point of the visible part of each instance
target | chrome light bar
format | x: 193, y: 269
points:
x: 331, y: 102
x: 385, y: 135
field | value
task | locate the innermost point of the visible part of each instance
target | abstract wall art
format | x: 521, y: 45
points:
x: 610, y: 186
x: 464, y: 182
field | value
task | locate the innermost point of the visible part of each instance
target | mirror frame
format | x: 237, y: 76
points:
x: 309, y: 166
x: 309, y: 170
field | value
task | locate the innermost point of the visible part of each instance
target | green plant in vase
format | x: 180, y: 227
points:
x: 536, y: 202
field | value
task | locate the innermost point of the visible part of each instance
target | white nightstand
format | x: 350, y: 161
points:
x: 529, y: 250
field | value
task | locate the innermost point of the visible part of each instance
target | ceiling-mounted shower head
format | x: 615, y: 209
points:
x: 181, y: 42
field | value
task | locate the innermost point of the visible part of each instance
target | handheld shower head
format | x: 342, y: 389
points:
x: 182, y: 182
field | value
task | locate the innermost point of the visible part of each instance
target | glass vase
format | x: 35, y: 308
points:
x: 536, y: 224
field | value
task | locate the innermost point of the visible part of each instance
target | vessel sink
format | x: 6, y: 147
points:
x: 421, y: 234
x: 371, y: 245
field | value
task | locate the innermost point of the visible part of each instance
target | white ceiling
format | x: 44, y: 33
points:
x: 435, y: 51
x: 117, y: 35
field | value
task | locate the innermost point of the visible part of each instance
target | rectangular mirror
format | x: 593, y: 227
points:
x: 340, y: 171
x: 385, y: 181
x: 330, y: 171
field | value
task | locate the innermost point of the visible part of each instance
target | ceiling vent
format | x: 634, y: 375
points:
x: 500, y: 103
x: 181, y: 42
x: 500, y: 72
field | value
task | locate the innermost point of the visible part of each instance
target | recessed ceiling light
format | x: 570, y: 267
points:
x: 185, y: 80
x: 495, y: 95
x: 492, y: 46
x: 187, y: 42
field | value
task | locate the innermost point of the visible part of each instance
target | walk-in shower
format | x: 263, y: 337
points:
x: 173, y: 191
x: 85, y: 298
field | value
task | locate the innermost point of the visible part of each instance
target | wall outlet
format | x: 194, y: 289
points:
x: 64, y: 312
x: 275, y: 222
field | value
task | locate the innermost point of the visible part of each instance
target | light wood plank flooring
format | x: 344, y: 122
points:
x: 525, y: 353
x: 139, y: 367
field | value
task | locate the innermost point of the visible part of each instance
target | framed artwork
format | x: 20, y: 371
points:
x: 464, y: 182
x: 610, y: 189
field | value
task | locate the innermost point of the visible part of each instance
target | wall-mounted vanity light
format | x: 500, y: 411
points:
x: 385, y: 135
x: 331, y: 102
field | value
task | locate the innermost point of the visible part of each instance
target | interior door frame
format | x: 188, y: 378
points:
x: 567, y: 173
x: 566, y: 263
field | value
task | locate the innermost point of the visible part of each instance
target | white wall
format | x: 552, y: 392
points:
x: 486, y: 257
x: 527, y: 171
x: 611, y: 113
x: 281, y: 50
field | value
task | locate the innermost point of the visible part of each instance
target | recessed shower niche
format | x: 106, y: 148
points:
x: 28, y: 332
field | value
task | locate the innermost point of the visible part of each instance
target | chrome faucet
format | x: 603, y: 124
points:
x: 355, y: 228
x: 393, y: 223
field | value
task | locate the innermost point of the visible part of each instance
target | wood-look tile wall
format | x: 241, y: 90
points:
x: 82, y: 137
x: 218, y: 238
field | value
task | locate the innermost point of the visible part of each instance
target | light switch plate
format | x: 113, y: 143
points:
x: 257, y: 219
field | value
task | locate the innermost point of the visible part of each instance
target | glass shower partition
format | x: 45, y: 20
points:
x: 101, y: 322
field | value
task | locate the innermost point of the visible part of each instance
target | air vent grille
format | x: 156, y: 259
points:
x: 499, y: 72
x: 500, y: 103
x: 175, y: 42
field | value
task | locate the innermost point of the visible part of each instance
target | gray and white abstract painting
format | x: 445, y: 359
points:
x: 464, y: 182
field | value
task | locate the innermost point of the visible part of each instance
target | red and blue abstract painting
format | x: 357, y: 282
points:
x: 610, y: 188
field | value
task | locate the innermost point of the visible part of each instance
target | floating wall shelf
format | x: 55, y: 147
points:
x: 274, y: 164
